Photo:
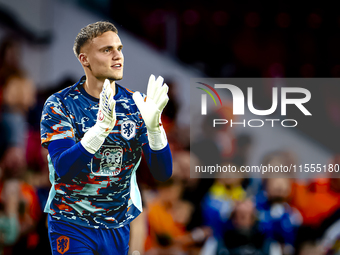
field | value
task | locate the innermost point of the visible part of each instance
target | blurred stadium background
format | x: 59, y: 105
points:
x: 180, y: 40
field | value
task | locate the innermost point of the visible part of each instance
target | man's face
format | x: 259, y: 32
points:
x: 105, y: 57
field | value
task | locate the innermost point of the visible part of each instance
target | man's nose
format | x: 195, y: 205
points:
x: 117, y: 55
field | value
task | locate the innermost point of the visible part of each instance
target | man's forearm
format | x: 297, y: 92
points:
x: 68, y: 157
x: 159, y: 162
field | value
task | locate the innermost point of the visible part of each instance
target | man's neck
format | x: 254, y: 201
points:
x: 94, y: 86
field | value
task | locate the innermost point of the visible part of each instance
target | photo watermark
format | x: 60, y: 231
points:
x: 261, y: 128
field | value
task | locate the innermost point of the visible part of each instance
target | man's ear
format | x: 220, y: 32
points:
x: 84, y: 60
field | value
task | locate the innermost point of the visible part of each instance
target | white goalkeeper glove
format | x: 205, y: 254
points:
x: 106, y: 119
x: 151, y: 110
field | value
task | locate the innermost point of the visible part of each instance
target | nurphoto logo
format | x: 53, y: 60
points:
x: 238, y: 104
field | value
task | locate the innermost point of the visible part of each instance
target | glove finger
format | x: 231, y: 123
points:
x: 151, y: 87
x: 139, y: 101
x: 109, y: 92
x: 162, y: 91
x: 106, y: 85
x: 113, y: 108
x: 158, y: 86
x: 106, y: 104
x: 108, y: 97
x: 162, y: 102
x: 103, y: 94
x: 110, y: 100
x: 101, y: 100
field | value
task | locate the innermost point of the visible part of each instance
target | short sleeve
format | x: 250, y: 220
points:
x: 55, y: 122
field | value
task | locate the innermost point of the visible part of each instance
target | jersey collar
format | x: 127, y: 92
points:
x: 80, y: 86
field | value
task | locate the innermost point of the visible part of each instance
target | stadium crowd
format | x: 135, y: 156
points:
x: 182, y: 215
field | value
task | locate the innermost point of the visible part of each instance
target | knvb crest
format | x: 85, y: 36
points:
x: 128, y: 129
x: 63, y: 244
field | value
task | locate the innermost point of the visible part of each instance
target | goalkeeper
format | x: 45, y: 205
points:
x: 95, y: 132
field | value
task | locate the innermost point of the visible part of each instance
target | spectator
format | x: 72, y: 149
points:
x: 17, y: 96
x: 242, y: 233
x: 9, y: 222
x: 325, y: 194
x: 167, y: 219
x: 278, y: 220
x: 26, y: 209
x: 219, y: 202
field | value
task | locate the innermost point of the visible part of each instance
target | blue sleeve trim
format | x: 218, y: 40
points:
x: 68, y: 157
x: 159, y: 162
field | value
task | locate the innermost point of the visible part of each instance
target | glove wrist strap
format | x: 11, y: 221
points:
x: 93, y: 139
x: 157, y: 139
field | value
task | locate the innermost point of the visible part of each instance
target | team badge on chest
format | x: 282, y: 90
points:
x: 128, y: 129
